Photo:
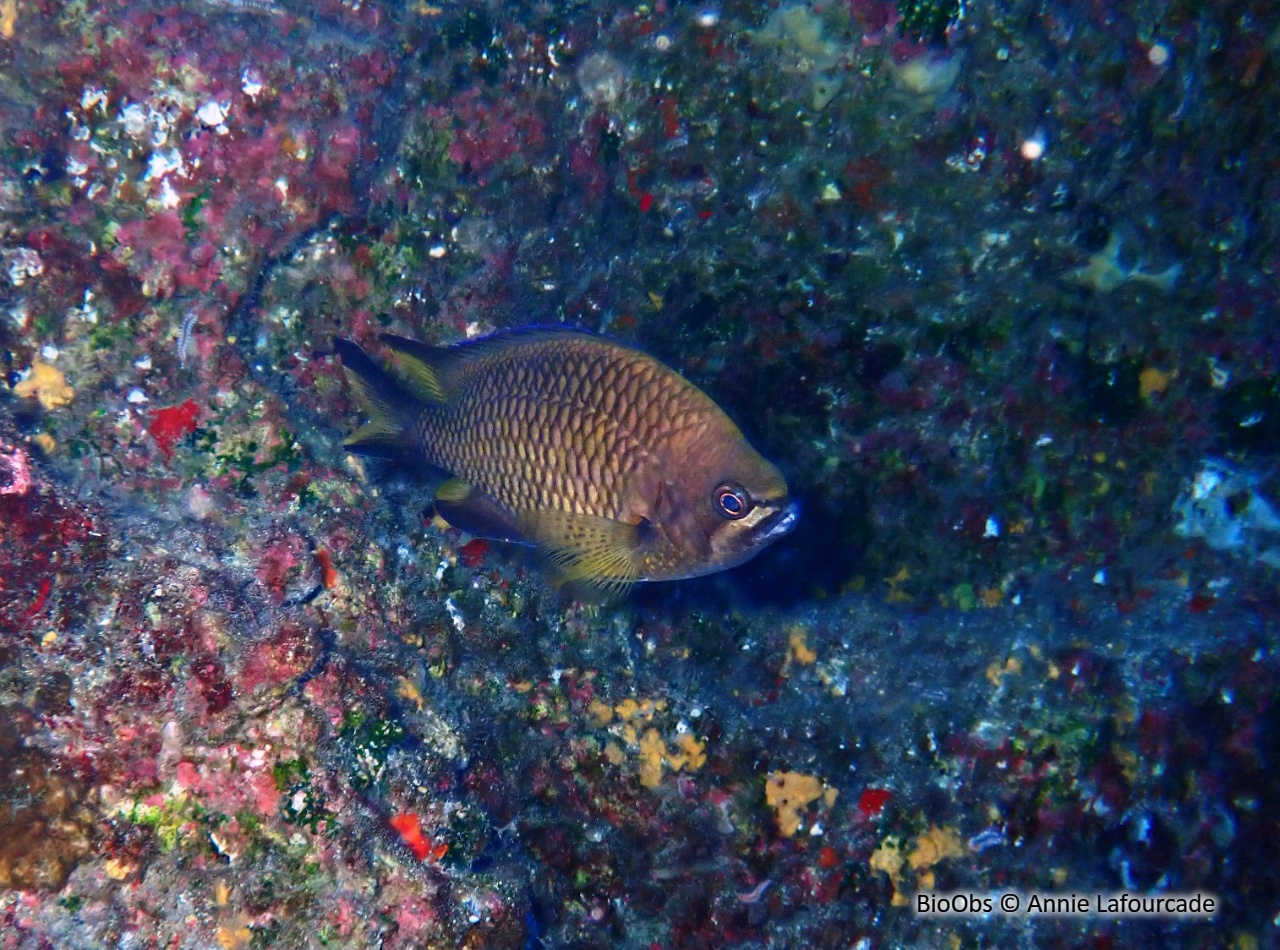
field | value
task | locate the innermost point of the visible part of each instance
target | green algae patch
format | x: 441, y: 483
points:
x: 175, y: 821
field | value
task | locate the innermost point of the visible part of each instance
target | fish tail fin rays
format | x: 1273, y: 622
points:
x: 389, y: 431
x: 430, y: 370
x: 600, y: 555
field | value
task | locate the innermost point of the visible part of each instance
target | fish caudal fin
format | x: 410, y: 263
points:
x: 391, y: 410
x: 430, y: 370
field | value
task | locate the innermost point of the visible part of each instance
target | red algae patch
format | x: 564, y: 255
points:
x: 170, y: 424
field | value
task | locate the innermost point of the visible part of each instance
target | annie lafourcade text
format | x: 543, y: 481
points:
x: 1067, y: 905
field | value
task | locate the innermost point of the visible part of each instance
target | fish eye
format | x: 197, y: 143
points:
x: 731, y: 502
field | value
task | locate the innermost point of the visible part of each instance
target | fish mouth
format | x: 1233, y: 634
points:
x: 779, y: 523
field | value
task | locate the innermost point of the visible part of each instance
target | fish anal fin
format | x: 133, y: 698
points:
x: 474, y: 512
x: 587, y: 551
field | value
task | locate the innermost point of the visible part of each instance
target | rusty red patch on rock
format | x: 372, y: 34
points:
x: 171, y: 423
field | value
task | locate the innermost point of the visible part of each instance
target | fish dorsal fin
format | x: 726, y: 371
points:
x: 434, y: 371
x: 600, y: 553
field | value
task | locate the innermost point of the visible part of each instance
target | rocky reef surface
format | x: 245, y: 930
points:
x: 995, y: 285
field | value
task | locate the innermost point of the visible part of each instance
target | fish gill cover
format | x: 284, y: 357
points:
x: 992, y: 285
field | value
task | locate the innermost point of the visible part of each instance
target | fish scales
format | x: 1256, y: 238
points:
x: 563, y: 411
x: 610, y: 461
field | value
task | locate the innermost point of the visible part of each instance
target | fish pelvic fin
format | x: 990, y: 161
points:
x: 600, y: 554
x: 391, y: 410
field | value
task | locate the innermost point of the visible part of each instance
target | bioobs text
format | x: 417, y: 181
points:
x: 953, y: 904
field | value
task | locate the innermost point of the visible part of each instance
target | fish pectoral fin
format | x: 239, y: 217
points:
x: 471, y: 510
x: 587, y: 550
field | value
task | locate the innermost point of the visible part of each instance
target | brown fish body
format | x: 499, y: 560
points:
x: 610, y: 461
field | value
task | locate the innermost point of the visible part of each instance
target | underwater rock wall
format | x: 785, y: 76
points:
x: 995, y: 286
